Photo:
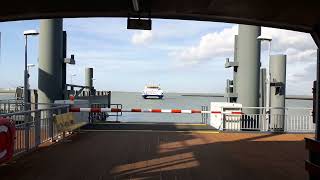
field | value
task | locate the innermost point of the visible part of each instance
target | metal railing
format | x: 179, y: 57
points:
x: 116, y: 114
x: 277, y: 120
x: 102, y: 116
x: 34, y: 127
x: 204, y: 117
x: 10, y: 106
x: 15, y: 105
x: 98, y: 116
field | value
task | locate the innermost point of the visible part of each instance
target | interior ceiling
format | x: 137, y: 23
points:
x: 287, y: 14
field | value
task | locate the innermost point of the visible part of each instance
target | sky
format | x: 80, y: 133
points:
x: 181, y: 56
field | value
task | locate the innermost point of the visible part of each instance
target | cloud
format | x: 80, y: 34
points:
x: 186, y: 43
x: 299, y: 48
x: 283, y: 40
x: 141, y: 37
x: 211, y: 46
x: 301, y: 58
x: 300, y: 77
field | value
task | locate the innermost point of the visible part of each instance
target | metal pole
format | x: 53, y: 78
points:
x: 25, y: 86
x: 64, y: 65
x: 37, y: 121
x: 268, y: 86
x: 25, y: 94
x: 262, y: 88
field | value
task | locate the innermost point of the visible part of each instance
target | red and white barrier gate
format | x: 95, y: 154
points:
x: 192, y: 111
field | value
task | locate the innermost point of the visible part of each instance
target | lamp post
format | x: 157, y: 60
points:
x: 268, y: 78
x: 25, y: 87
x: 26, y: 74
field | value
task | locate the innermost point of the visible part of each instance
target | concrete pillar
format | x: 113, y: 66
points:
x: 248, y: 56
x: 277, y: 91
x: 88, y: 77
x: 50, y: 60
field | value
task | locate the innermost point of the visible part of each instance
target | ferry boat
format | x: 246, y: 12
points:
x: 152, y: 91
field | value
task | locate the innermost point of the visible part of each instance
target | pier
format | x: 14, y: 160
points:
x: 252, y: 136
x: 147, y: 154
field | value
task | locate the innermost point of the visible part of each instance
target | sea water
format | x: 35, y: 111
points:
x: 131, y: 100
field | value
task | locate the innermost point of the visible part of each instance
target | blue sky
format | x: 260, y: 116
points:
x: 182, y: 56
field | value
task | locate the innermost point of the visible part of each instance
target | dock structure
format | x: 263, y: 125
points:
x: 142, y: 154
x: 128, y: 155
x: 278, y: 89
x: 50, y: 60
x: 248, y: 57
x: 89, y: 79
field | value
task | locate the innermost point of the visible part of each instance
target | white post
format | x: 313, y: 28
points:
x: 268, y: 80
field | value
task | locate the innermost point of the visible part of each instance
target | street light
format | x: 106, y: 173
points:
x: 26, y: 74
x: 267, y: 39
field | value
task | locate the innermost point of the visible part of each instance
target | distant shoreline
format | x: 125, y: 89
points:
x: 296, y: 97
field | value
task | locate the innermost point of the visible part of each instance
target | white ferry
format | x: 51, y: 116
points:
x: 152, y: 91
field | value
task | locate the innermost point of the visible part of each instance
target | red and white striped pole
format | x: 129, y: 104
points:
x: 192, y: 111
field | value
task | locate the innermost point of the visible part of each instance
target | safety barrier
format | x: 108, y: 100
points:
x: 143, y: 110
x: 35, y: 127
x: 297, y: 120
x: 98, y: 116
x: 237, y: 119
x: 66, y: 123
x: 10, y: 106
x: 204, y: 117
x: 14, y: 105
